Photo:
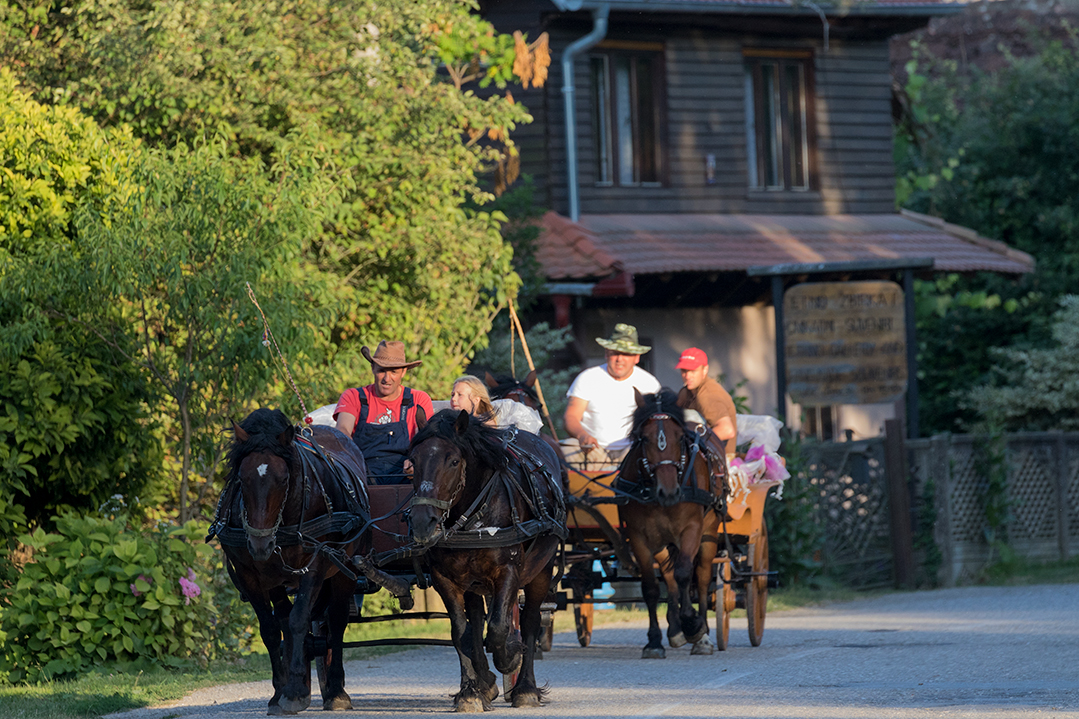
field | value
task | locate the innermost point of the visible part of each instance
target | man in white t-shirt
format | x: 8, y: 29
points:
x: 602, y: 399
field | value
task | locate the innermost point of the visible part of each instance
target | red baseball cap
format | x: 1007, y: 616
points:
x: 692, y: 358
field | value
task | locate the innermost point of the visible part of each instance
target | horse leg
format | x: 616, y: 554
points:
x: 473, y: 645
x: 298, y: 688
x: 525, y: 691
x: 270, y: 631
x: 334, y: 697
x: 650, y: 593
x: 470, y: 698
x: 693, y: 625
x: 705, y: 557
x: 667, y: 559
x: 506, y: 649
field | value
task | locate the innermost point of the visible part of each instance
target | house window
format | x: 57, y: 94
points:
x: 819, y: 422
x: 627, y: 91
x: 780, y: 132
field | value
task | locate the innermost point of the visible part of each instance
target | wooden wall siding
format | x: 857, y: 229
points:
x: 706, y: 115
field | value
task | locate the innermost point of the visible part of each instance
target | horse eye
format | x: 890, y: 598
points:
x: 455, y: 462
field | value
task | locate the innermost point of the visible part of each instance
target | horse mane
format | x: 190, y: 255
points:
x: 664, y: 401
x: 507, y: 383
x: 480, y: 444
x: 263, y: 427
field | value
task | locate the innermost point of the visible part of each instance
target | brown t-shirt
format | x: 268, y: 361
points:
x: 714, y: 403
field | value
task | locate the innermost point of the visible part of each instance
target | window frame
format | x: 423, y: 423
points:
x: 606, y: 144
x: 757, y: 136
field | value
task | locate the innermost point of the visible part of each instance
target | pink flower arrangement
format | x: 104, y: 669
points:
x: 755, y: 453
x: 134, y: 589
x: 188, y: 587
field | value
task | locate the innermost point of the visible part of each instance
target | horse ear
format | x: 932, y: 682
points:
x: 530, y: 379
x: 287, y: 436
x: 240, y: 434
x: 462, y: 422
x: 421, y: 418
x: 638, y: 396
x: 489, y: 380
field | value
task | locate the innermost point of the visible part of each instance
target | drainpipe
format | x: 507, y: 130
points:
x: 599, y: 31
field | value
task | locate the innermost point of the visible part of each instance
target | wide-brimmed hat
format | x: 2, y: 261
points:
x: 389, y: 355
x: 623, y: 339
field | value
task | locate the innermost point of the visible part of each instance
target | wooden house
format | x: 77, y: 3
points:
x: 709, y: 140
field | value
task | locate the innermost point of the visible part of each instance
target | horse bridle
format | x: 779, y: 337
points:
x: 441, y: 504
x: 646, y: 468
x: 260, y: 532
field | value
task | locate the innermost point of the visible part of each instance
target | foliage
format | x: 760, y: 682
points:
x: 925, y: 543
x: 1035, y: 389
x: 990, y: 466
x: 366, y: 86
x: 99, y: 592
x: 998, y: 153
x: 179, y: 254
x: 794, y: 535
x: 543, y: 341
x: 73, y: 422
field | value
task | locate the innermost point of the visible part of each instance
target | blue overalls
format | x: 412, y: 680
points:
x: 384, y: 446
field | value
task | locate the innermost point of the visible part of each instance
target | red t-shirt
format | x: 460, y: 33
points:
x: 380, y: 411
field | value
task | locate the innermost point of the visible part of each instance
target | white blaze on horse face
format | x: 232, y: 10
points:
x: 262, y: 470
x: 426, y: 486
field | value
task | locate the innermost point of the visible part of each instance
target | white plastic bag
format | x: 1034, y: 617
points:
x: 510, y: 412
x: 323, y: 415
x: 759, y: 429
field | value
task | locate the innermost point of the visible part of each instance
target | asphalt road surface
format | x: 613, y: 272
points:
x: 972, y: 652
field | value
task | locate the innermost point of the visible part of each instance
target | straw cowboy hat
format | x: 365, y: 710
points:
x: 623, y: 339
x: 389, y: 355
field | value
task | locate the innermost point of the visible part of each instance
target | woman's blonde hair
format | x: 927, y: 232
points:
x: 483, y: 407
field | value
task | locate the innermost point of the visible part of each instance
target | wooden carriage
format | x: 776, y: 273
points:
x: 741, y: 578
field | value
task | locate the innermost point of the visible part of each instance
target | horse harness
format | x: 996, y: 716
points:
x: 351, y: 522
x: 693, y: 445
x: 471, y: 530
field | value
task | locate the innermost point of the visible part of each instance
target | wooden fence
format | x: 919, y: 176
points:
x: 872, y: 497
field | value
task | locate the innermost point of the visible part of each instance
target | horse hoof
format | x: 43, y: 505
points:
x: 654, y: 653
x: 274, y: 710
x: 697, y: 637
x: 677, y: 640
x: 340, y: 703
x: 526, y: 699
x: 703, y: 646
x: 468, y: 705
x: 295, y: 706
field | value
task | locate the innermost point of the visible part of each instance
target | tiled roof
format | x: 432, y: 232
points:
x: 599, y: 245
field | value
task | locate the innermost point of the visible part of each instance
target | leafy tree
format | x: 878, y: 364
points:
x: 178, y: 255
x: 383, y: 92
x: 1035, y: 389
x: 73, y: 421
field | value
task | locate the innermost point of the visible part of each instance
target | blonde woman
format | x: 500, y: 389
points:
x: 470, y: 394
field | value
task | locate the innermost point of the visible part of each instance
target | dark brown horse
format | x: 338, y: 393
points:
x: 488, y: 506
x: 293, y: 512
x: 677, y: 487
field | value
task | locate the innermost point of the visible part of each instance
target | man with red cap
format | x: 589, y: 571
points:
x: 381, y: 417
x: 707, y: 397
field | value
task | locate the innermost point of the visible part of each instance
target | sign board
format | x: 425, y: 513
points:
x: 845, y: 342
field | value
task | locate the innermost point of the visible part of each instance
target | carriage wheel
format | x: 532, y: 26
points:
x: 582, y: 616
x: 724, y: 605
x: 757, y: 588
x: 547, y: 638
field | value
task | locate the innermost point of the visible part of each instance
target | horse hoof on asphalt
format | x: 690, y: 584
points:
x: 340, y: 703
x: 693, y: 639
x: 469, y: 705
x: 295, y: 706
x: 703, y: 646
x: 676, y: 640
x: 274, y: 710
x: 527, y: 699
x: 654, y: 653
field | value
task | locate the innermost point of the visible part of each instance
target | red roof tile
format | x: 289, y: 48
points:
x: 599, y: 245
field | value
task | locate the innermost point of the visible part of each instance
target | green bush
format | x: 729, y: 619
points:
x: 99, y: 593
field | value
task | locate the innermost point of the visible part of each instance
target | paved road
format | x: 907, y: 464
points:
x: 971, y: 652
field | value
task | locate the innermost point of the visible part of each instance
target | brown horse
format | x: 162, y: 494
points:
x: 288, y: 521
x: 676, y: 488
x: 489, y: 508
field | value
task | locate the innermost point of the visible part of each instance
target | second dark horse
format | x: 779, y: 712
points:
x: 488, y: 505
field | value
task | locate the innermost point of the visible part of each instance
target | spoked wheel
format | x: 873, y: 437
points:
x: 725, y: 599
x: 757, y: 588
x: 582, y: 616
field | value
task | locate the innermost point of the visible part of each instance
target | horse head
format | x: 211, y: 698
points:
x: 522, y: 391
x: 439, y: 465
x: 659, y: 437
x: 260, y: 459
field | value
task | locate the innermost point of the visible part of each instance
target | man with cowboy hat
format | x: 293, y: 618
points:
x: 381, y: 417
x: 602, y: 399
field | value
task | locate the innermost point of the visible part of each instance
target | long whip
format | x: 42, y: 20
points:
x: 528, y: 356
x: 267, y: 340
